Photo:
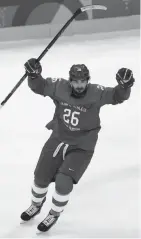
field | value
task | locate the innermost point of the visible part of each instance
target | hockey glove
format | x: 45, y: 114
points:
x: 33, y: 67
x: 125, y: 78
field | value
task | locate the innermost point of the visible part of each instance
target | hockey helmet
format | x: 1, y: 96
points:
x: 79, y: 71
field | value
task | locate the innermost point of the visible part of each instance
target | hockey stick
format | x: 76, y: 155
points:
x: 79, y: 10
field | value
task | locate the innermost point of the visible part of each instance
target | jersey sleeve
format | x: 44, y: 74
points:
x: 113, y: 95
x: 44, y: 87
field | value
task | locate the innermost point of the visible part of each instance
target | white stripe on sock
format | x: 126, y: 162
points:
x: 60, y: 198
x: 38, y: 200
x: 39, y: 190
x: 57, y: 209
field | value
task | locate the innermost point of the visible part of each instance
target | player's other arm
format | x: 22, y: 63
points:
x: 121, y: 92
x: 36, y: 82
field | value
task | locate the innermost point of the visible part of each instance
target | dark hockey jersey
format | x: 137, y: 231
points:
x: 76, y: 120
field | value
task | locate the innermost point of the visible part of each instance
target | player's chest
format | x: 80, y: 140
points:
x: 77, y: 115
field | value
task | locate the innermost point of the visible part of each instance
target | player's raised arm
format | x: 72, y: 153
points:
x: 121, y: 92
x: 36, y: 82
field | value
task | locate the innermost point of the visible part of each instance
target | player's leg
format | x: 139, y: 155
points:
x: 60, y: 198
x: 44, y: 173
x: 76, y: 162
x: 63, y: 188
x: 72, y: 169
x: 70, y: 172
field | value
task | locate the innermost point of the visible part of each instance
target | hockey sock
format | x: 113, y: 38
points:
x: 38, y: 194
x: 58, y: 203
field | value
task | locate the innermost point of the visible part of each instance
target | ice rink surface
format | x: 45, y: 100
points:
x: 105, y: 204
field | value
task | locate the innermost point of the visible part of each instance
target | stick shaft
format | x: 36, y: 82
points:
x: 41, y: 55
x: 80, y: 10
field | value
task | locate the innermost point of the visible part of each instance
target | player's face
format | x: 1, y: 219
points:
x: 79, y: 85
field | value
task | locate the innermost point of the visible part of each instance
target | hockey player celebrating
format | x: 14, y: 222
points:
x: 75, y: 127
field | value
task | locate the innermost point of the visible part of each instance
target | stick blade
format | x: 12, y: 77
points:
x: 93, y: 7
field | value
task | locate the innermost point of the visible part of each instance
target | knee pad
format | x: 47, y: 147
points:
x: 39, y: 183
x: 63, y: 184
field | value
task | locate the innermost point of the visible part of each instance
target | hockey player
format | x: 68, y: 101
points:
x: 75, y: 127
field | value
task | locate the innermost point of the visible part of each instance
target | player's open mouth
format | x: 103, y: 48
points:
x: 79, y: 90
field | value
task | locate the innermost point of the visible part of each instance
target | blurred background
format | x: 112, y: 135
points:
x: 51, y: 14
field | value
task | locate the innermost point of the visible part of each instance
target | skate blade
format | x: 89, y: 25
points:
x: 38, y: 232
x: 22, y: 222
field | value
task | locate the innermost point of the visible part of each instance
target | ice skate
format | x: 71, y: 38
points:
x: 32, y: 211
x: 47, y: 223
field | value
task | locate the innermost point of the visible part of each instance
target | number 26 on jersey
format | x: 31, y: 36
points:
x: 71, y: 117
